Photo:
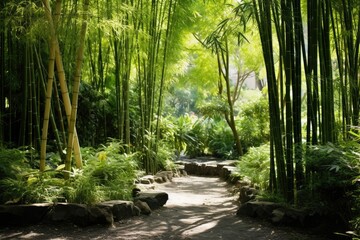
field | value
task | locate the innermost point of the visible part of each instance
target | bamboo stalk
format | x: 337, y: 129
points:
x: 76, y: 87
x: 49, y: 85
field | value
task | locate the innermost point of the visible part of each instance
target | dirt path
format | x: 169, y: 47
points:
x: 198, y: 208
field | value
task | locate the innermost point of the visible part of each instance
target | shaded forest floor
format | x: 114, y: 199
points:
x: 198, y: 208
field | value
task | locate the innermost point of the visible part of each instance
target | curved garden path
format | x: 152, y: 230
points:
x: 198, y: 208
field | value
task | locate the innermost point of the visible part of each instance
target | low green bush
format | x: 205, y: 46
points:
x: 253, y: 123
x: 255, y: 165
x: 107, y: 175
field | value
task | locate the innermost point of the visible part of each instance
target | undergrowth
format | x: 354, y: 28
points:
x: 107, y: 174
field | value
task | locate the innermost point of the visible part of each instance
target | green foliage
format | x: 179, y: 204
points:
x: 198, y: 138
x: 331, y: 166
x: 20, y: 183
x: 107, y: 175
x: 12, y: 162
x: 255, y: 165
x: 254, y: 123
x: 221, y: 140
x: 214, y: 108
x: 165, y: 156
x: 187, y: 135
x: 332, y: 171
x: 95, y: 117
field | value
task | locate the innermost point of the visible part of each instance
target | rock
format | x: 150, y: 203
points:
x: 144, y: 187
x: 234, y: 178
x: 247, y: 193
x: 16, y: 215
x: 70, y: 212
x: 258, y: 209
x: 137, y: 211
x: 183, y: 172
x: 120, y: 209
x: 80, y: 214
x: 148, y: 179
x: 135, y: 192
x: 226, y: 171
x: 151, y: 202
x: 278, y: 216
x: 154, y: 199
x: 243, y: 182
x: 103, y: 215
x: 161, y: 197
x: 209, y: 170
x: 165, y: 175
x: 145, y: 181
x: 290, y: 216
x: 193, y: 168
x: 228, y: 163
x: 159, y: 180
x: 143, y: 206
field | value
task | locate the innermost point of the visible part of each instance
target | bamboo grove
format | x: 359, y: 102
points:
x: 326, y: 55
x: 125, y: 43
x: 63, y: 61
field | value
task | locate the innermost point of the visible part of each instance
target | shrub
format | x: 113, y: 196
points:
x: 165, y: 156
x: 253, y: 124
x: 331, y: 170
x: 107, y: 175
x: 221, y: 140
x: 255, y: 165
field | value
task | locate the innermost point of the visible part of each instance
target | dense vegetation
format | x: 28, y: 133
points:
x: 94, y: 93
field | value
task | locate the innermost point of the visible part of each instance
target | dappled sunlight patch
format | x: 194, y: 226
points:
x: 191, y: 220
x: 201, y: 228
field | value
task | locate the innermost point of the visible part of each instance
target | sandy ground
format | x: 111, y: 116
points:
x: 198, y: 208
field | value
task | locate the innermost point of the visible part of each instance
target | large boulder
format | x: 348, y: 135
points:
x: 15, y: 215
x: 120, y: 209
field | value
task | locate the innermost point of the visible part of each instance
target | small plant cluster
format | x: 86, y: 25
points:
x: 107, y: 174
